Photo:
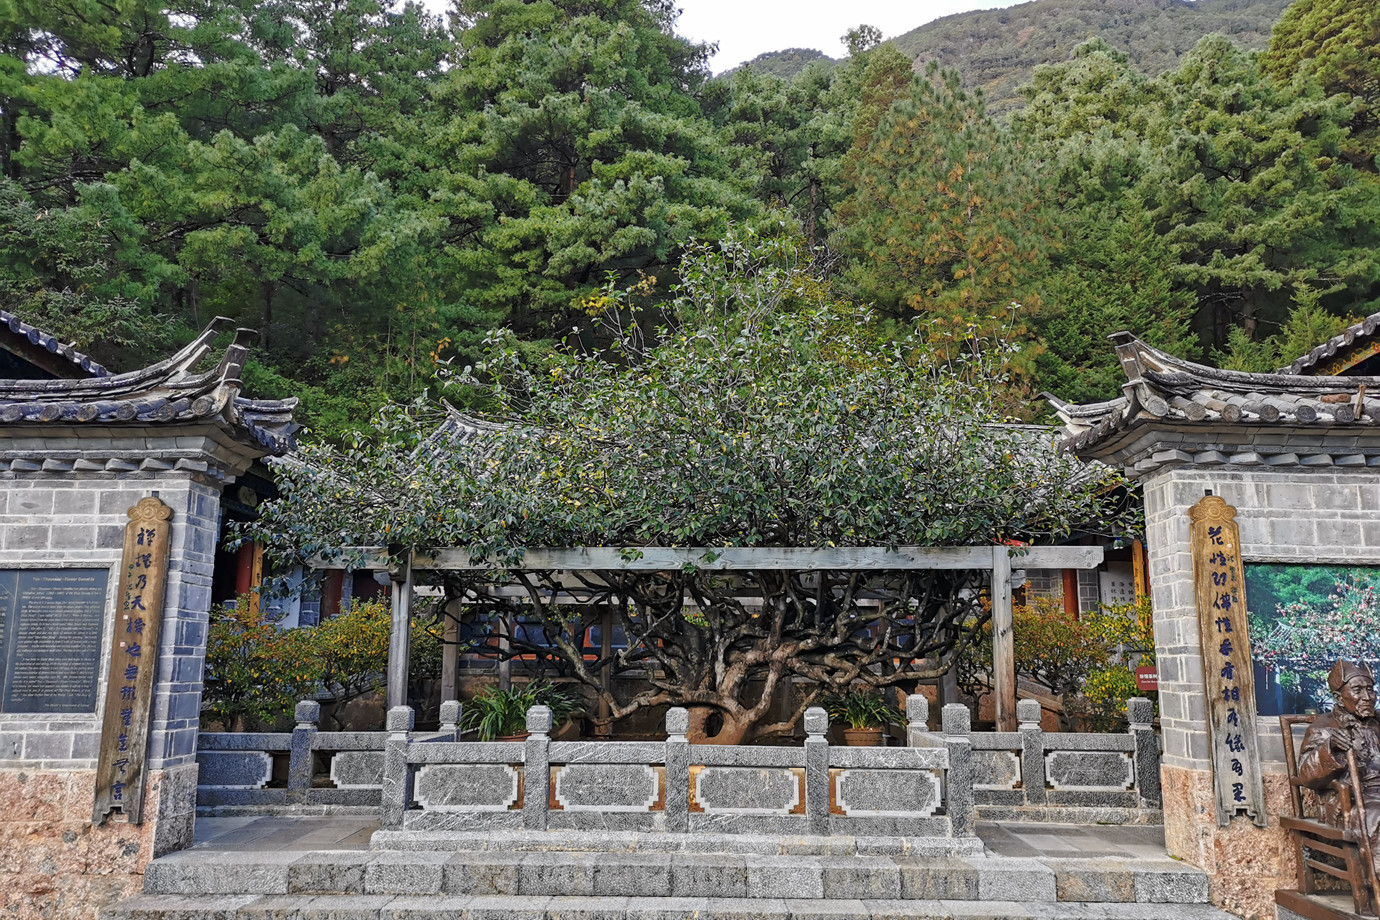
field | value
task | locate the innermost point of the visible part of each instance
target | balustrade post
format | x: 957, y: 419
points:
x: 1141, y: 714
x: 308, y: 713
x: 957, y: 725
x: 450, y: 719
x: 918, y: 722
x: 677, y: 806
x: 397, y: 778
x: 1032, y: 752
x: 817, y: 770
x: 536, y: 769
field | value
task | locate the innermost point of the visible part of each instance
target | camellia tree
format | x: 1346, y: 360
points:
x: 763, y: 413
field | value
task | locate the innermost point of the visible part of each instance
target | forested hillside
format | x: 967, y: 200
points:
x: 998, y: 50
x: 378, y: 191
x: 785, y: 64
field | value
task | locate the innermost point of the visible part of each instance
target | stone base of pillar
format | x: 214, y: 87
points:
x: 1244, y: 863
x: 58, y: 864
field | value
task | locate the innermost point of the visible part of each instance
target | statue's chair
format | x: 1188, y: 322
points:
x: 1322, y: 849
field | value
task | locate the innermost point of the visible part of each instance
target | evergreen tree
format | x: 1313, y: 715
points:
x: 946, y: 223
x: 1337, y: 42
x: 1251, y: 195
x: 572, y: 145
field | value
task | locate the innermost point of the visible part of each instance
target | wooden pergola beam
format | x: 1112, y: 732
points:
x: 999, y: 560
x: 740, y: 558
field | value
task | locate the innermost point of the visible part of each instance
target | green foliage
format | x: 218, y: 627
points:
x: 496, y: 713
x: 1343, y: 622
x: 350, y: 650
x: 786, y: 64
x: 998, y: 50
x: 569, y: 145
x: 1308, y: 327
x: 860, y: 707
x: 1210, y: 203
x: 947, y: 221
x: 767, y: 415
x: 1336, y: 42
x: 1085, y: 659
x: 376, y: 191
x: 255, y: 672
x: 767, y: 411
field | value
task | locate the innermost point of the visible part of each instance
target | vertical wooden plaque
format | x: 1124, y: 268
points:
x: 1228, y: 678
x: 133, y: 663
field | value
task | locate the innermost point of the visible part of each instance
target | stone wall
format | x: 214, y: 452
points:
x: 69, y: 510
x: 1295, y: 515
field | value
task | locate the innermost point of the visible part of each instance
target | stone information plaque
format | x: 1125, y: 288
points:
x: 133, y: 662
x: 1226, y: 647
x: 50, y: 638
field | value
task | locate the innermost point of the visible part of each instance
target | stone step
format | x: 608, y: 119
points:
x: 491, y: 907
x: 753, y: 877
x: 633, y: 842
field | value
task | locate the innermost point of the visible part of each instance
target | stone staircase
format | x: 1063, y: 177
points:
x: 517, y: 876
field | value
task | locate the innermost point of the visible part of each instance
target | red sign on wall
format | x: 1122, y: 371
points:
x: 1147, y: 679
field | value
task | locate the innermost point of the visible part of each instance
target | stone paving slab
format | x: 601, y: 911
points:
x: 366, y: 907
x: 683, y: 875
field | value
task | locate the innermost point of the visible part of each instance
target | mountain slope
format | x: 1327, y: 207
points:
x: 784, y: 64
x: 998, y: 50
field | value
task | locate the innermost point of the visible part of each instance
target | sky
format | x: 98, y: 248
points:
x: 747, y: 28
x: 744, y: 29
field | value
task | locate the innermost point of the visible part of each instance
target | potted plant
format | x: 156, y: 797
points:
x: 501, y: 715
x: 866, y: 713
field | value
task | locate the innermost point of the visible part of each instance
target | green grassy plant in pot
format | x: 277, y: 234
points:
x: 501, y: 715
x: 866, y: 713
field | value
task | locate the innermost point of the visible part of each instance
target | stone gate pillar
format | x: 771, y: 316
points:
x: 1299, y: 460
x: 75, y: 456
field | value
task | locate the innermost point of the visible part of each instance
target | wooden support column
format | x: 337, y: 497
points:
x: 1139, y: 569
x: 1071, y: 591
x: 505, y: 664
x: 450, y: 652
x: 1003, y: 644
x: 249, y: 573
x: 399, y: 646
x: 605, y: 729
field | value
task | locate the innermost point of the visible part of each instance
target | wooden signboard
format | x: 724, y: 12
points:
x: 1227, y: 674
x: 133, y: 662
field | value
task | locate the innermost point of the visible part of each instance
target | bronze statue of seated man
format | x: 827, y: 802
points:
x: 1323, y: 764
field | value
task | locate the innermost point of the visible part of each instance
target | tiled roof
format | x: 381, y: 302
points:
x: 167, y: 392
x: 50, y: 343
x: 1361, y: 331
x: 1160, y: 388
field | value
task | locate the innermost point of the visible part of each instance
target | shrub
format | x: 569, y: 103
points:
x: 255, y: 672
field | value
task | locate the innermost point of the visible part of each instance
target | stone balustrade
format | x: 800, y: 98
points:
x: 672, y: 786
x: 236, y: 768
x: 939, y: 785
x: 1072, y: 777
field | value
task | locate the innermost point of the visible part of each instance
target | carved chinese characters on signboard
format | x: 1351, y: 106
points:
x: 1226, y: 646
x: 133, y: 662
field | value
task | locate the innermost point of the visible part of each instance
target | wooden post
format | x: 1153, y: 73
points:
x: 605, y: 728
x: 398, y: 640
x: 249, y: 573
x: 1003, y: 644
x: 450, y: 651
x: 1139, y: 567
x: 505, y: 664
x: 1071, y: 591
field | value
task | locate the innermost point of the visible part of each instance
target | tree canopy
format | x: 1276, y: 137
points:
x: 760, y: 412
x: 377, y: 190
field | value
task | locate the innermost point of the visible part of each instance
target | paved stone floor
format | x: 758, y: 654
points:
x: 341, y: 832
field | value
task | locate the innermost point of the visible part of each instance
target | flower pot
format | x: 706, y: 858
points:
x: 863, y: 737
x: 520, y: 736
